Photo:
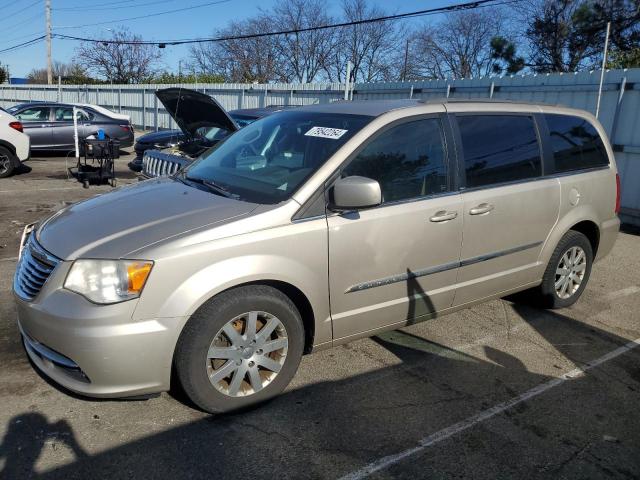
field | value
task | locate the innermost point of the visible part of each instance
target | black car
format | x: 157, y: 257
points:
x: 50, y: 124
x: 203, y: 122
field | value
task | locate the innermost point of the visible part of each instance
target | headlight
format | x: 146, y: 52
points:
x: 108, y: 281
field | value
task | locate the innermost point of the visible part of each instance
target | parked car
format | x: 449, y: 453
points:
x: 310, y: 228
x: 170, y: 138
x: 50, y: 124
x: 14, y: 144
x: 203, y: 123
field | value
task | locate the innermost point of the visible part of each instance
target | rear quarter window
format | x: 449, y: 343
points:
x: 576, y: 143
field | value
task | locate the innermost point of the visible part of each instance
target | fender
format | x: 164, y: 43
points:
x: 217, y: 277
x: 574, y: 216
x: 12, y: 149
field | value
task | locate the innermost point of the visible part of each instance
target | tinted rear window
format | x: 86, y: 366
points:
x: 499, y: 148
x: 576, y: 143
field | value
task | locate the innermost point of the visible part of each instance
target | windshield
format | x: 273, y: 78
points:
x: 242, y: 120
x: 268, y: 160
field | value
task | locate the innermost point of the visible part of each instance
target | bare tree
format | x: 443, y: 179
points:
x: 459, y: 46
x: 302, y: 55
x: 120, y: 62
x: 240, y: 60
x: 372, y: 47
x: 70, y: 73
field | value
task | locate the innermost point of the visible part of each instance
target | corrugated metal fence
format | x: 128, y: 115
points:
x: 619, y: 110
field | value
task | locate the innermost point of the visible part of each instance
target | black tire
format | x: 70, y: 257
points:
x: 191, y: 351
x: 546, y: 295
x: 8, y: 162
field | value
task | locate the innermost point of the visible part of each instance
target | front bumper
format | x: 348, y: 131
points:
x: 97, y: 350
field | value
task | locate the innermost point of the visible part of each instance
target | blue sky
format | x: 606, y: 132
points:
x: 23, y: 20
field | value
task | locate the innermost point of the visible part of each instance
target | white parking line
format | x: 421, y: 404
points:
x: 623, y: 292
x: 456, y: 428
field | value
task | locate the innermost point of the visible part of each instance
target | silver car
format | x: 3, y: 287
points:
x: 311, y: 228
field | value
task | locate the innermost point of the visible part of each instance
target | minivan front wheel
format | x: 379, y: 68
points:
x: 568, y: 271
x: 240, y: 348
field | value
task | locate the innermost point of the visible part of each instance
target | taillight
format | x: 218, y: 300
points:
x: 16, y: 126
x: 617, y: 210
x: 126, y: 128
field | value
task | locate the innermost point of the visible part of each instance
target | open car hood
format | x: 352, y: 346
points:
x: 192, y: 110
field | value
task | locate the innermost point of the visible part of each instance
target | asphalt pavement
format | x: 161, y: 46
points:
x: 502, y: 390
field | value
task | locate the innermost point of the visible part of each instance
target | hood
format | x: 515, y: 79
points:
x: 192, y: 110
x: 161, y: 137
x: 118, y: 223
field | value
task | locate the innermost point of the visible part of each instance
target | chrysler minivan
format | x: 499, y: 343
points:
x: 310, y: 228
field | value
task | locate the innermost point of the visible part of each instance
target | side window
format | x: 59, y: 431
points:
x: 408, y: 161
x: 84, y: 116
x: 576, y: 143
x: 499, y: 148
x: 33, y: 114
x: 63, y: 114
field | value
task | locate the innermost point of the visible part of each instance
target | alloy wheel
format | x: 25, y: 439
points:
x: 247, y: 353
x: 5, y: 163
x: 570, y: 272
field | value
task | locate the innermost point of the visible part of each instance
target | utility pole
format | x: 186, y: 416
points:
x: 48, y: 34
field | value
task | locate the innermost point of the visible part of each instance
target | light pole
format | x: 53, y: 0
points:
x: 604, y: 64
x: 48, y: 35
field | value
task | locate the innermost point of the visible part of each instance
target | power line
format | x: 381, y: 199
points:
x: 419, y: 13
x: 184, y: 9
x: 109, y: 6
x: 9, y: 15
x: 17, y: 25
x: 24, y: 44
x: 41, y: 32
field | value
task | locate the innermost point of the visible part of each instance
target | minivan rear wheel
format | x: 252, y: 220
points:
x: 240, y: 348
x: 568, y: 271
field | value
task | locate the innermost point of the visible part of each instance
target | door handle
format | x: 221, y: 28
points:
x: 443, y: 216
x: 481, y: 209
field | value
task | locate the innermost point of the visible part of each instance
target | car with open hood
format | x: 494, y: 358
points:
x: 308, y: 229
x: 203, y: 123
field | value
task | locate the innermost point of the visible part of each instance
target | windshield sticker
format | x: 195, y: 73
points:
x: 325, y: 132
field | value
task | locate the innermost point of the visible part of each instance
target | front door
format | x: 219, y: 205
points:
x: 397, y: 262
x: 509, y: 207
x: 37, y: 124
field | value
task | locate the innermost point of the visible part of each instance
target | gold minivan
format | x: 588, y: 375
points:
x: 310, y: 228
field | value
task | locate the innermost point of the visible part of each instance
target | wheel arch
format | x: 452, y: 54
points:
x: 581, y: 219
x: 8, y: 146
x: 590, y: 230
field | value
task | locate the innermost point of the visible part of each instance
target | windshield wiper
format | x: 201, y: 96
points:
x: 213, y: 186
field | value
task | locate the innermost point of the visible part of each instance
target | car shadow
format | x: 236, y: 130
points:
x: 328, y: 428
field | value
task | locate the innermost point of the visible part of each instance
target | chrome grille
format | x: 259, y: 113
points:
x: 33, y: 270
x: 160, y: 164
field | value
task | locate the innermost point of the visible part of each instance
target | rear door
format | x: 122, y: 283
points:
x: 509, y: 206
x: 397, y: 262
x: 37, y: 124
x: 63, y: 129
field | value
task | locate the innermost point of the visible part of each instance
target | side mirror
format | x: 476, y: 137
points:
x: 353, y: 193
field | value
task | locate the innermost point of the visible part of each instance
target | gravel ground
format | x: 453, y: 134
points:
x: 476, y: 394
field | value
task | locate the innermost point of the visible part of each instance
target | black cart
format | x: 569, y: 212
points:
x: 97, y: 163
